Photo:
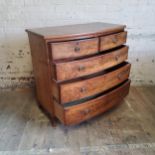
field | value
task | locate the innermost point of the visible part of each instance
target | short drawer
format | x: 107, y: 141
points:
x: 73, y: 49
x: 112, y: 41
x: 65, y: 92
x: 78, y: 113
x: 73, y: 69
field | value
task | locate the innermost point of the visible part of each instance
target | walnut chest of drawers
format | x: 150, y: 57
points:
x: 80, y: 70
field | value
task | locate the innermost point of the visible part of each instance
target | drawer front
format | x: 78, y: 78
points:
x: 73, y: 91
x: 111, y: 41
x: 73, y: 49
x: 78, y: 68
x: 80, y: 112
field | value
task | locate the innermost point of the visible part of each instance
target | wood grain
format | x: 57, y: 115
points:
x: 128, y: 129
x: 77, y: 90
x: 78, y: 113
x: 78, y: 31
x: 111, y: 41
x: 41, y: 67
x: 75, y: 62
x: 72, y: 49
x: 73, y: 69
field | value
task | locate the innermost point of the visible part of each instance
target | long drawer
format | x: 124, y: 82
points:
x: 65, y: 92
x: 73, y: 69
x: 81, y: 112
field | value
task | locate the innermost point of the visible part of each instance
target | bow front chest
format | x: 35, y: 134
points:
x: 80, y: 70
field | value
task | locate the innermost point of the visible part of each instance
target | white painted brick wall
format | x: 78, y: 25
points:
x: 17, y: 15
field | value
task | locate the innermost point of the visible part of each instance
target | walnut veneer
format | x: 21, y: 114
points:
x: 80, y: 70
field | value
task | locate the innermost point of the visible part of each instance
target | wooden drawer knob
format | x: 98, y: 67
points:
x: 119, y: 76
x: 116, y: 57
x: 114, y: 40
x: 77, y: 49
x: 81, y: 68
x: 85, y: 111
x: 83, y: 89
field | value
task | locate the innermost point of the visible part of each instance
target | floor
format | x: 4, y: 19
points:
x: 128, y: 129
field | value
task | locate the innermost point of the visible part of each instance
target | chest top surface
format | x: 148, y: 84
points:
x: 78, y: 30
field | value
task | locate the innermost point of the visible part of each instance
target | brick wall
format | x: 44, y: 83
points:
x: 17, y: 15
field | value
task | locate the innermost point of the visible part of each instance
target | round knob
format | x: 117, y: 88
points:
x: 80, y: 68
x: 85, y: 111
x: 77, y: 49
x: 114, y: 40
x: 83, y: 89
x: 116, y: 57
x: 119, y: 76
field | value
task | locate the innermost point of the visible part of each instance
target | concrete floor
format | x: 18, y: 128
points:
x: 128, y: 129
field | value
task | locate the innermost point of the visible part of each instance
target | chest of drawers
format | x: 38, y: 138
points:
x: 80, y: 70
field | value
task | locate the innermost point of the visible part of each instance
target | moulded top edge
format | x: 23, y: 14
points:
x: 78, y: 30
